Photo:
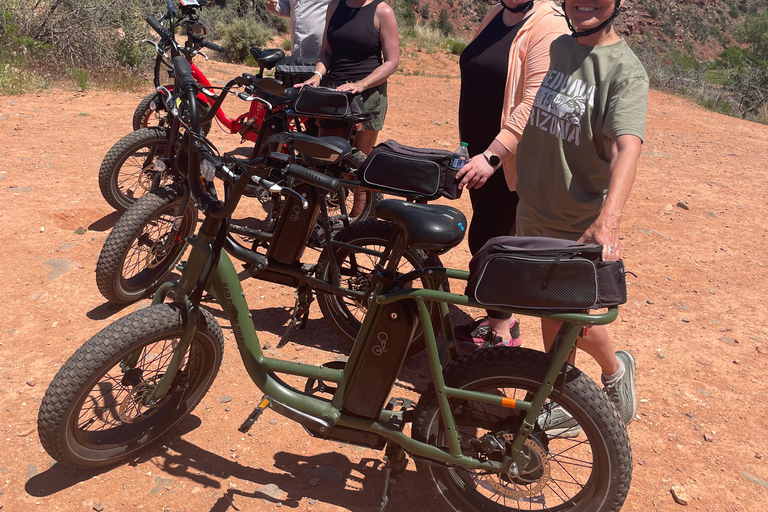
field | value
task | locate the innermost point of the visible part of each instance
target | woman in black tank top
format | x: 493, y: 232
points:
x: 361, y: 49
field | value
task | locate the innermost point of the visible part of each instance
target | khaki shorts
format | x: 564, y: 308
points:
x: 374, y: 101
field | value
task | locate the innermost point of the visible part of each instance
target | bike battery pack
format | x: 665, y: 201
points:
x: 294, y: 226
x: 381, y: 359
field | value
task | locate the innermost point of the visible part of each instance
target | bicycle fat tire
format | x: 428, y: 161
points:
x: 611, y: 470
x: 378, y: 233
x: 135, y: 243
x: 120, y: 185
x: 68, y: 438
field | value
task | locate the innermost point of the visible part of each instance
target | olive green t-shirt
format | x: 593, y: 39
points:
x: 589, y: 96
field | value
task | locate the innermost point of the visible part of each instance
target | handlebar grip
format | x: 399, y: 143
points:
x: 183, y: 72
x: 312, y: 177
x: 213, y: 46
x: 157, y: 27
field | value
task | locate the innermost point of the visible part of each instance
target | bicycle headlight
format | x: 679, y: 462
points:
x: 207, y: 170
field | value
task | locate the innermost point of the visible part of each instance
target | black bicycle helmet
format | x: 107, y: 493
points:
x: 598, y: 28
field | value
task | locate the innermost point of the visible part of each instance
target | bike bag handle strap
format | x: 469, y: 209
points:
x: 183, y: 71
x: 212, y: 46
x: 312, y: 177
x: 155, y: 24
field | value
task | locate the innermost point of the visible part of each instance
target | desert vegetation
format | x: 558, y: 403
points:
x: 715, y: 52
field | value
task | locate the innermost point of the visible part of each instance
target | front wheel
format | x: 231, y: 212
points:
x: 579, y: 453
x: 95, y: 412
x: 144, y: 246
x: 345, y: 314
x: 128, y: 169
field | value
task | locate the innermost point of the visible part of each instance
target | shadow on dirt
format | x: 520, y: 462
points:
x: 59, y: 477
x: 329, y: 477
x: 105, y: 311
x: 105, y: 223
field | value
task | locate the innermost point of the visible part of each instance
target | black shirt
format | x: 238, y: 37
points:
x: 484, y: 67
x: 355, y: 43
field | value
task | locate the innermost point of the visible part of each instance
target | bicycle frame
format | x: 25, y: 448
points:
x: 223, y: 283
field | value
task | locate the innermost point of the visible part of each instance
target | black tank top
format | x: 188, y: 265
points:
x: 355, y: 43
x: 484, y: 67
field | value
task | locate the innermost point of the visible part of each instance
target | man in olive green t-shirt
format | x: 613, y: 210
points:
x: 577, y: 160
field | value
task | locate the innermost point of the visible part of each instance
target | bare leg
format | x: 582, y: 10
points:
x: 364, y: 141
x: 596, y: 343
x: 501, y: 326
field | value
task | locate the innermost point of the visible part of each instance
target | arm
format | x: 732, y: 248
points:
x: 625, y: 151
x: 386, y: 24
x: 324, y: 59
x: 477, y: 171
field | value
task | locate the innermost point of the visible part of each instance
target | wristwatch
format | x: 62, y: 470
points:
x: 493, y: 160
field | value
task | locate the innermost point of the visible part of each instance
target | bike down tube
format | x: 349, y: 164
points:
x: 224, y: 284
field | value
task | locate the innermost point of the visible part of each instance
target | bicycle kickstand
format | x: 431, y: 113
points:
x: 396, y: 461
x: 300, y: 314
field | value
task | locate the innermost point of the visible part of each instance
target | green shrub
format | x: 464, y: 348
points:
x: 454, y: 46
x: 443, y: 24
x: 240, y: 35
x: 654, y: 12
x: 423, y: 37
x: 287, y: 45
x: 80, y: 76
x: 129, y: 49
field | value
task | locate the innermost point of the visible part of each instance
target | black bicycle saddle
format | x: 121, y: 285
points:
x: 434, y: 228
x: 267, y: 59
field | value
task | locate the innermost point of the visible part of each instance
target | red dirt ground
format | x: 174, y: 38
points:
x: 694, y: 234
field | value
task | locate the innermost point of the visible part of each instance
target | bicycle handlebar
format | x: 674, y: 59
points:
x: 158, y: 27
x: 213, y: 46
x: 312, y: 177
x: 183, y: 71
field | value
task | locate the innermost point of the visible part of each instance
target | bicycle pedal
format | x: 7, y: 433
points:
x: 403, y: 411
x: 254, y: 416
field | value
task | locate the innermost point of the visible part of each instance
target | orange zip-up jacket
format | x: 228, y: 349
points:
x: 528, y: 64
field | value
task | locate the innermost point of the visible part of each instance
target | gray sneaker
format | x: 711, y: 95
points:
x: 622, y: 391
x: 557, y: 422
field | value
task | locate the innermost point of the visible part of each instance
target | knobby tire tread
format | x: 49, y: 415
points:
x: 123, y: 335
x: 109, y: 268
x: 115, y: 158
x: 506, y: 361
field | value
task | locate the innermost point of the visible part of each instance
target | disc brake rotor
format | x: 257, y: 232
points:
x: 157, y: 252
x: 146, y: 176
x: 531, y: 480
x: 133, y: 408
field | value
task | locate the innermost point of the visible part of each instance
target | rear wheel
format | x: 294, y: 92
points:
x: 128, y: 169
x: 581, y: 464
x: 95, y: 411
x: 344, y: 314
x: 144, y: 246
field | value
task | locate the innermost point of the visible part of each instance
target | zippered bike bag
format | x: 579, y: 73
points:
x: 545, y: 273
x: 327, y: 102
x: 415, y: 173
x: 294, y: 70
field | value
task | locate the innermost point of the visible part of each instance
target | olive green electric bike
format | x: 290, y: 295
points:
x: 496, y: 428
